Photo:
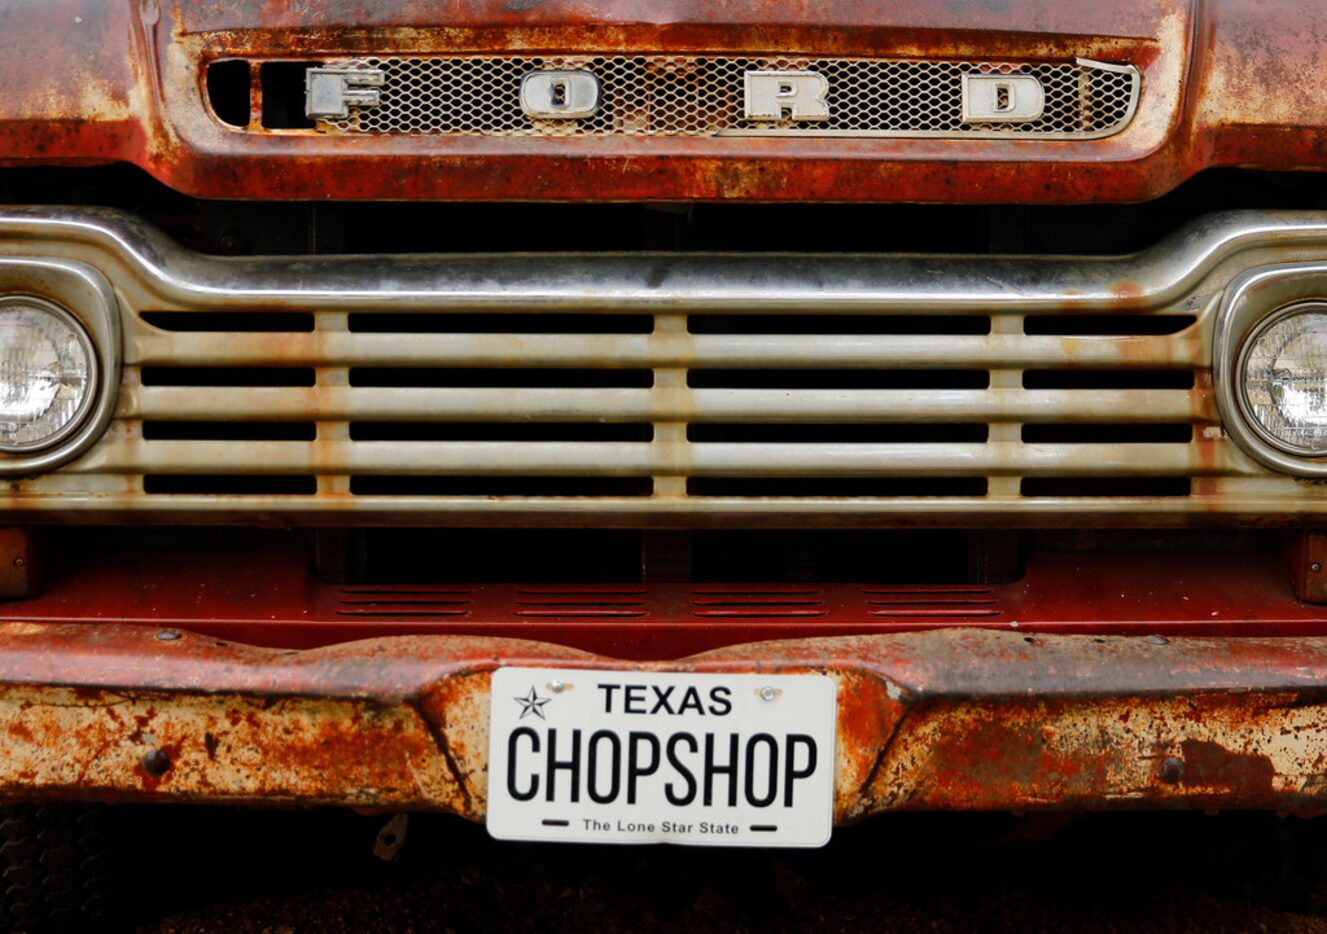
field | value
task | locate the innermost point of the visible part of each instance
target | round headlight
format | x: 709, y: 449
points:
x: 1284, y: 373
x: 48, y: 374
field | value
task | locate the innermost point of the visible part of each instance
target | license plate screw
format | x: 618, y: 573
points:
x: 768, y: 693
x: 556, y: 686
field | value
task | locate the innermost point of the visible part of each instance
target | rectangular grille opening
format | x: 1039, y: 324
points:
x: 228, y: 91
x: 839, y: 324
x: 227, y: 376
x: 501, y: 486
x: 229, y: 431
x: 1177, y: 433
x: 1108, y: 379
x: 838, y: 379
x: 226, y: 485
x: 236, y: 322
x: 724, y: 432
x: 816, y: 487
x: 1108, y: 325
x: 440, y: 323
x: 1132, y: 487
x: 509, y: 378
x: 283, y: 95
x: 499, y: 431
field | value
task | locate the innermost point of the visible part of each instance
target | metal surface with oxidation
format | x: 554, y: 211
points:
x: 644, y: 373
x: 950, y: 719
x: 1226, y: 84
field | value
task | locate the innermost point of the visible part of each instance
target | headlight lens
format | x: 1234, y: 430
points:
x: 1285, y: 380
x: 47, y: 374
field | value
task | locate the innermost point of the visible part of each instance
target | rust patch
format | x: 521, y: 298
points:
x: 1210, y: 764
x: 952, y: 719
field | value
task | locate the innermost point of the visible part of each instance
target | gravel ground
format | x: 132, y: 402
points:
x: 218, y: 870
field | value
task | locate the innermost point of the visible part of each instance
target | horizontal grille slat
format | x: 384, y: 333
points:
x: 554, y: 458
x: 664, y: 404
x: 664, y: 350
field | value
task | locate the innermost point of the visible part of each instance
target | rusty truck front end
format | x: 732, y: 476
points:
x: 960, y: 354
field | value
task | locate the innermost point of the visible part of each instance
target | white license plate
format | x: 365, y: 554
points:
x: 661, y: 757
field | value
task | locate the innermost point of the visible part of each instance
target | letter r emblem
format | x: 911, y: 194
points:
x: 800, y: 95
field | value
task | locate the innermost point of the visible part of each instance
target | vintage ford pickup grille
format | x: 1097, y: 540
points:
x: 669, y: 388
x: 702, y: 96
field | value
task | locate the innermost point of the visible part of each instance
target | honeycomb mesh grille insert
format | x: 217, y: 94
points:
x: 703, y: 96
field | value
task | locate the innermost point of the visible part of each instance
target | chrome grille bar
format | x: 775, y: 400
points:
x: 414, y: 422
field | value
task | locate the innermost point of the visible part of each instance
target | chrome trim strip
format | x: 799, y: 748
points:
x: 683, y: 283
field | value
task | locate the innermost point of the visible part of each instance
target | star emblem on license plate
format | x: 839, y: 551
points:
x: 532, y: 703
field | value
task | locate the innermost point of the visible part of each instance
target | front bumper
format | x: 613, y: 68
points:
x: 947, y: 719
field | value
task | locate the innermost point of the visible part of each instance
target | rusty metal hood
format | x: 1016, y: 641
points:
x: 1225, y: 82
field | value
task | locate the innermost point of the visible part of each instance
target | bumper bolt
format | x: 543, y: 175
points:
x: 768, y: 693
x: 156, y: 763
x: 168, y: 635
x: 1172, y: 770
x: 1158, y: 640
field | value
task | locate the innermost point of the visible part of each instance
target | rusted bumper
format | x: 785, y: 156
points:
x: 947, y: 719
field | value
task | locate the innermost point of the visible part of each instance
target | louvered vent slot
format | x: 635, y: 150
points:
x: 932, y: 602
x: 758, y: 604
x: 418, y: 602
x: 570, y: 602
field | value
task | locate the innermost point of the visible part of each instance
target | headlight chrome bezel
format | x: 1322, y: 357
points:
x: 47, y: 307
x: 1240, y: 374
x: 83, y: 294
x: 1252, y: 303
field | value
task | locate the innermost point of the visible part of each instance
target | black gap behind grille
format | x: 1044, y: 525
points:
x: 839, y: 324
x: 231, y: 321
x: 501, y: 486
x: 509, y: 378
x: 723, y: 432
x: 838, y: 379
x: 1108, y: 379
x: 875, y: 487
x: 439, y: 323
x: 228, y: 91
x: 227, y: 376
x: 1071, y: 487
x: 283, y: 95
x: 229, y: 431
x: 499, y: 431
x: 1177, y: 433
x: 226, y: 485
x: 1111, y: 325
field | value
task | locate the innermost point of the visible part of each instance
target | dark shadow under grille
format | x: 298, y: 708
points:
x: 501, y: 486
x: 838, y: 379
x: 825, y: 488
x: 1125, y: 487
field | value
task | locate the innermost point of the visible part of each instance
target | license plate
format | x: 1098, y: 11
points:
x: 661, y: 757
